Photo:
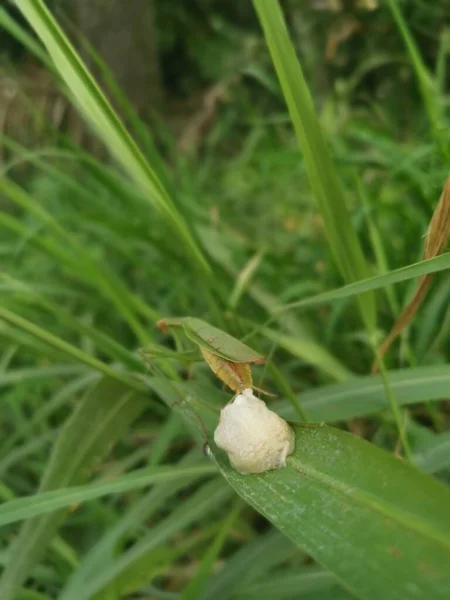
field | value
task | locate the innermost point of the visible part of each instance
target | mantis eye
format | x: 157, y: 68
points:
x: 255, y: 438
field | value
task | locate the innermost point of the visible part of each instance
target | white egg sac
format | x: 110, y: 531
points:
x: 255, y: 438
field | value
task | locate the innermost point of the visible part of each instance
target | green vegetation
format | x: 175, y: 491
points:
x: 295, y: 222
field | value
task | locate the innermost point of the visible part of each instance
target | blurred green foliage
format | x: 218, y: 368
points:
x: 241, y: 186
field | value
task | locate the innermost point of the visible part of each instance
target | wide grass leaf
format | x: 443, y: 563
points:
x: 362, y: 396
x: 381, y: 526
x: 101, y: 419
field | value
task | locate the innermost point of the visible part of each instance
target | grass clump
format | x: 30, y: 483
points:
x: 307, y: 256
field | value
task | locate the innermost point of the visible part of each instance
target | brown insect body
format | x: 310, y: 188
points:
x: 237, y: 376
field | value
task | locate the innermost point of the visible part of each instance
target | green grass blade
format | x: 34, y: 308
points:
x: 362, y: 396
x: 433, y: 456
x: 323, y: 176
x: 427, y: 86
x: 432, y: 319
x: 310, y: 351
x: 69, y: 349
x: 99, y: 279
x: 305, y: 341
x: 99, y: 275
x: 101, y: 419
x: 432, y: 265
x: 31, y: 595
x: 243, y: 280
x: 25, y: 451
x: 46, y: 243
x: 103, y: 552
x: 340, y: 492
x: 208, y: 498
x: 20, y: 34
x: 16, y: 376
x: 307, y: 585
x: 44, y: 502
x: 250, y: 564
x: 195, y: 587
x: 40, y: 416
x: 154, y: 564
x: 100, y: 115
x: 394, y: 405
x: 378, y: 246
x: 103, y: 341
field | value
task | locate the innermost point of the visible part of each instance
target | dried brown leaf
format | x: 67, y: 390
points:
x: 436, y: 241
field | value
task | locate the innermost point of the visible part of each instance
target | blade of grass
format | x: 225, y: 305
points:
x: 362, y: 396
x: 16, y: 376
x: 30, y: 448
x: 427, y: 86
x: 98, y: 558
x: 45, y: 502
x: 393, y: 403
x: 18, y: 32
x: 208, y: 498
x: 156, y: 563
x: 250, y: 564
x: 432, y: 319
x: 432, y: 265
x: 195, y: 587
x: 285, y: 388
x: 25, y: 233
x: 69, y: 349
x: 98, y: 274
x: 99, y: 421
x: 131, y: 116
x: 377, y: 244
x: 98, y: 112
x: 309, y: 351
x: 434, y: 455
x: 306, y: 584
x: 243, y: 279
x: 58, y: 252
x: 323, y: 176
x: 40, y: 416
x: 114, y: 349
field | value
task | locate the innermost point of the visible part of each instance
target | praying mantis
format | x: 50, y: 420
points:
x: 229, y: 359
